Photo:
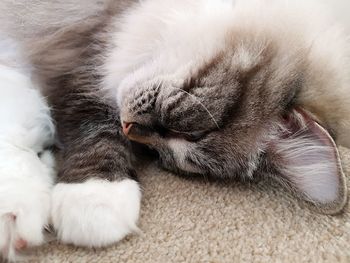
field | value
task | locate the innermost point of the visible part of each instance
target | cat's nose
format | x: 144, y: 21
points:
x: 126, y: 127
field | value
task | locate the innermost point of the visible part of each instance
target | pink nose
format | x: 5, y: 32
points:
x: 126, y: 127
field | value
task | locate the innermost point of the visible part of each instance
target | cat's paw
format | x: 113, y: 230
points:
x: 95, y: 213
x: 24, y: 212
x: 25, y: 193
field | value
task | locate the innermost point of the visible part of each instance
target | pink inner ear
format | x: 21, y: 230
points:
x: 311, y: 159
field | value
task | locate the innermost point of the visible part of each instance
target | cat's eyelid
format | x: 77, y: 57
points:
x: 194, y: 136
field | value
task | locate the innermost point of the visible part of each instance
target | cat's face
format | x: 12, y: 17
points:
x: 218, y: 118
x: 235, y: 115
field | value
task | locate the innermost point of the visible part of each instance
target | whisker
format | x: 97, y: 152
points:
x: 198, y: 101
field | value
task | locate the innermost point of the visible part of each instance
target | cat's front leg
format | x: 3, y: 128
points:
x: 26, y: 170
x: 97, y: 199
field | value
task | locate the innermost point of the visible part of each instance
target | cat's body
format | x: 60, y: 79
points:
x: 220, y: 88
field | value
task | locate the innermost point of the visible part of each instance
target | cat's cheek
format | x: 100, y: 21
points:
x: 95, y: 213
x: 181, y: 149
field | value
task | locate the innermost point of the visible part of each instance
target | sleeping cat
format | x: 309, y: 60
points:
x: 218, y: 88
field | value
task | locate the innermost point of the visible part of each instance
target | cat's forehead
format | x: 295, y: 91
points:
x: 169, y: 42
x: 222, y: 63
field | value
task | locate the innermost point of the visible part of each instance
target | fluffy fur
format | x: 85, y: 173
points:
x: 218, y: 88
x: 219, y: 75
x: 95, y: 213
x: 164, y: 48
x: 25, y: 178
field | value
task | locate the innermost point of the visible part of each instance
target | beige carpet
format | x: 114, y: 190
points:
x: 186, y: 221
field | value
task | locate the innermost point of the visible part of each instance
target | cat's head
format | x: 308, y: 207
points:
x: 236, y: 115
x: 229, y: 108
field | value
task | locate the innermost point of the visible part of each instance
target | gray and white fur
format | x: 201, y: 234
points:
x: 227, y: 89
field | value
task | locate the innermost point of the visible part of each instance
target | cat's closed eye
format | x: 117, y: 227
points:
x: 135, y: 131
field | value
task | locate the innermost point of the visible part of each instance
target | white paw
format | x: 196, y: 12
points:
x: 95, y: 213
x: 25, y: 192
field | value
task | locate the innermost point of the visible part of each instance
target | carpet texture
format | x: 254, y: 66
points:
x: 193, y: 221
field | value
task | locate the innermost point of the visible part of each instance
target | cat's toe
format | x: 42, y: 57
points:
x: 95, y: 213
x: 24, y: 212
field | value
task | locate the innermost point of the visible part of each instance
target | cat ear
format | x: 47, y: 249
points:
x: 307, y: 160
